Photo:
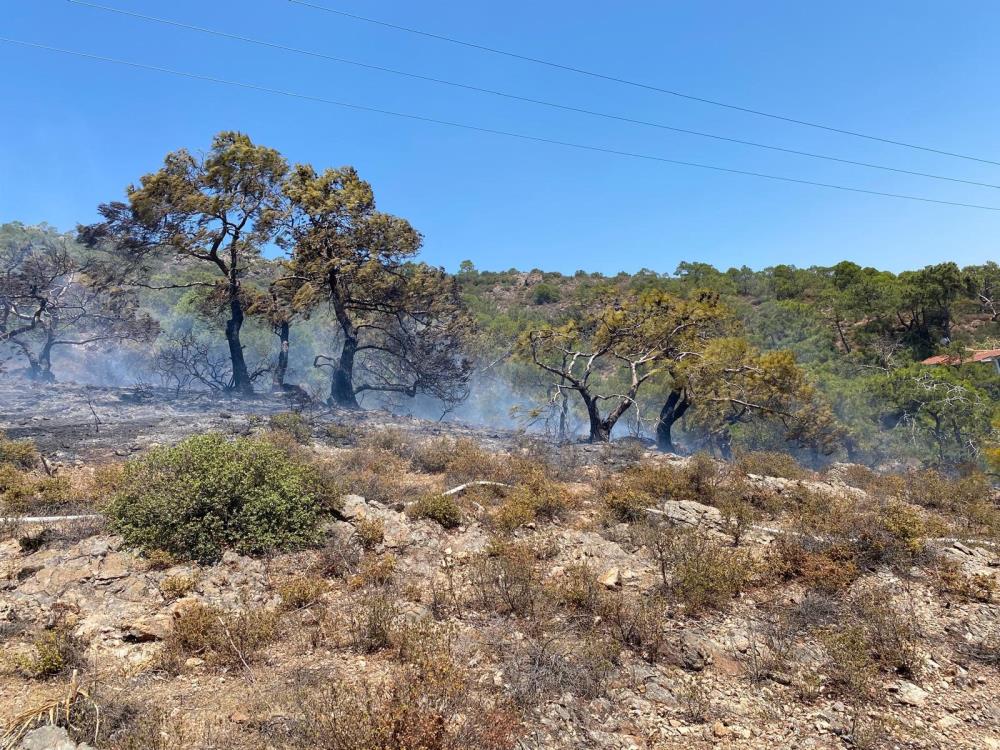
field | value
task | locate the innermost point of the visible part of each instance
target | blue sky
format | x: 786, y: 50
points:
x: 75, y: 133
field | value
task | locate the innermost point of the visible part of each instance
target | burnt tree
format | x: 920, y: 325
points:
x: 53, y: 295
x: 214, y: 212
x: 402, y: 324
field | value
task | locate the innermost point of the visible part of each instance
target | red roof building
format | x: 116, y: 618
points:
x: 981, y: 355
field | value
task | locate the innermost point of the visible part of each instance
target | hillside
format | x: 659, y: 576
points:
x: 602, y: 596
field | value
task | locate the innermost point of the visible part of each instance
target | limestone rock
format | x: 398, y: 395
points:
x: 610, y: 579
x: 51, y: 738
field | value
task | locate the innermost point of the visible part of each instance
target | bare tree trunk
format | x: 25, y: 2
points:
x: 342, y: 388
x: 673, y: 409
x: 241, y: 376
x: 600, y: 429
x: 45, y: 362
x: 281, y: 367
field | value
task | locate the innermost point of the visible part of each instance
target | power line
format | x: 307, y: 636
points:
x: 517, y: 97
x: 637, y: 84
x: 480, y: 129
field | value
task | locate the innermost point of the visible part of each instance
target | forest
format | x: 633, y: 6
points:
x: 236, y: 272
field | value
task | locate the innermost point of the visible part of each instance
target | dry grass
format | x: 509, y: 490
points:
x: 223, y: 639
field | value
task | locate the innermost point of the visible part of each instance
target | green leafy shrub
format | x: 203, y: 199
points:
x: 206, y: 495
x: 440, y: 508
x: 544, y: 294
x: 52, y: 654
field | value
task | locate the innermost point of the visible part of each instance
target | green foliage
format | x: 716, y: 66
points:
x: 544, y: 294
x: 206, y: 495
x: 440, y: 508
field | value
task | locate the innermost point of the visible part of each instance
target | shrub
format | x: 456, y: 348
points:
x: 293, y: 424
x: 544, y: 294
x: 579, y: 590
x: 435, y: 706
x: 176, y: 586
x: 694, y: 569
x: 372, y: 623
x: 20, y: 492
x: 370, y: 532
x: 536, y: 498
x: 440, y: 508
x: 978, y: 587
x: 770, y: 464
x: 52, y: 654
x: 301, y: 591
x: 21, y: 454
x: 339, y: 557
x: 341, y: 433
x: 389, y: 439
x: 373, y: 473
x: 375, y: 571
x: 537, y: 668
x: 223, y: 639
x: 624, y: 504
x: 205, y: 495
x: 738, y: 514
x: 890, y: 534
x: 16, y: 489
x: 505, y: 579
x: 635, y: 622
x: 470, y: 462
x: 433, y: 456
x: 705, y: 575
x: 828, y: 570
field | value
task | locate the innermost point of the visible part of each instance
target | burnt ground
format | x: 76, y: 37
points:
x: 72, y: 423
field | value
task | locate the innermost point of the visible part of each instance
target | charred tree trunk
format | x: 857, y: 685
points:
x: 342, y: 388
x: 600, y: 427
x: 241, y: 376
x: 342, y: 392
x: 724, y: 440
x: 45, y: 362
x: 674, y: 408
x: 281, y: 367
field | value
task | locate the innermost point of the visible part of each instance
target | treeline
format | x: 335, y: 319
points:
x: 237, y: 272
x: 855, y: 335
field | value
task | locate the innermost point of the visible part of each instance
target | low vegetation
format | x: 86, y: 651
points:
x: 208, y: 494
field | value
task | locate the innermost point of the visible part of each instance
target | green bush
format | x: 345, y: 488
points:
x: 544, y: 294
x: 206, y: 495
x: 440, y: 508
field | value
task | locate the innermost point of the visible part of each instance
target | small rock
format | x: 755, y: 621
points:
x: 610, y: 579
x: 721, y: 730
x: 948, y: 721
x: 910, y: 694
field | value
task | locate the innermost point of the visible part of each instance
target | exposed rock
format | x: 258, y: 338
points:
x: 610, y: 579
x: 51, y: 738
x: 910, y: 694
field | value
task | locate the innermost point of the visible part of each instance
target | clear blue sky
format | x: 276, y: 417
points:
x: 74, y: 133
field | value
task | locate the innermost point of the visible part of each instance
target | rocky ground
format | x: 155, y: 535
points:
x: 730, y: 676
